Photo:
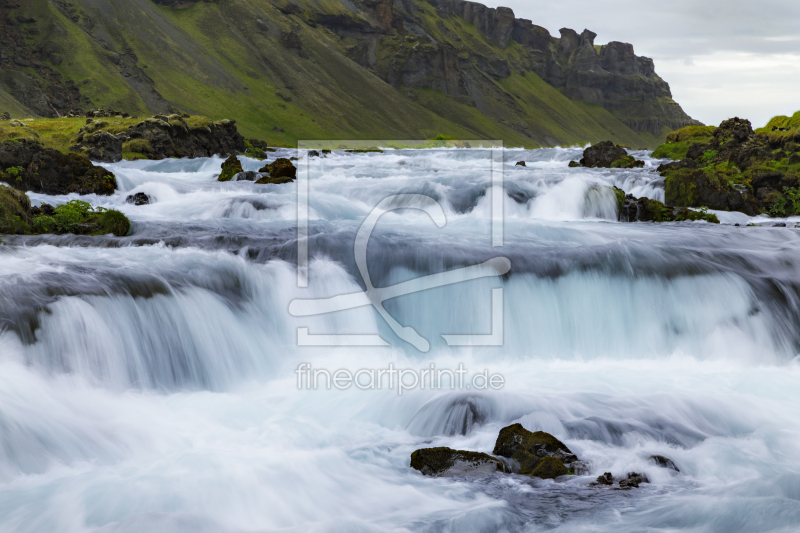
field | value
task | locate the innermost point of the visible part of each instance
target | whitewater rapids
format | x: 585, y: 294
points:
x: 148, y: 384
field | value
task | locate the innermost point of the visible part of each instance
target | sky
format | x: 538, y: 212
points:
x: 722, y: 58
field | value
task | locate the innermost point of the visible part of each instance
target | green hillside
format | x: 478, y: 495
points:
x: 285, y: 70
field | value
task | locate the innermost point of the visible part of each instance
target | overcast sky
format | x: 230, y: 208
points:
x: 722, y: 58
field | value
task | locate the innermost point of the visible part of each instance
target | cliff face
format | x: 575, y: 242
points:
x: 291, y: 69
x: 611, y: 76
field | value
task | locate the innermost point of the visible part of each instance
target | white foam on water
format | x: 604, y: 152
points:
x: 149, y: 384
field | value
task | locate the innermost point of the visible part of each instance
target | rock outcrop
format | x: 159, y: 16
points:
x: 735, y: 168
x: 161, y: 137
x: 29, y: 166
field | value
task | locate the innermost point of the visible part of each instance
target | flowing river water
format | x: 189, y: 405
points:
x: 149, y: 384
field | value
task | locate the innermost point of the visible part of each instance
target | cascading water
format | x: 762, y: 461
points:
x: 149, y: 383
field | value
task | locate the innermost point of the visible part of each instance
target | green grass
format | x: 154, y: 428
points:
x: 211, y: 59
x: 679, y: 141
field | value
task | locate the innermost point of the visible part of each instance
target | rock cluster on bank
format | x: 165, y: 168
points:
x: 17, y: 217
x: 160, y: 137
x: 735, y: 168
x: 28, y: 166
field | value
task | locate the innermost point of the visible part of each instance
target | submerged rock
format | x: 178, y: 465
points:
x: 608, y: 155
x: 446, y: 462
x: 247, y: 175
x: 139, y: 198
x: 633, y: 480
x: 280, y: 171
x: 230, y: 167
x: 664, y: 462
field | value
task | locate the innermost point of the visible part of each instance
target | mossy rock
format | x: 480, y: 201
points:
x: 527, y: 448
x: 549, y: 468
x: 620, y: 195
x: 627, y: 162
x: 704, y: 188
x: 280, y: 171
x: 230, y: 168
x: 17, y: 217
x: 454, y: 463
x: 14, y: 209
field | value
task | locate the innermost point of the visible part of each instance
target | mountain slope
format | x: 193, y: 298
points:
x: 288, y: 70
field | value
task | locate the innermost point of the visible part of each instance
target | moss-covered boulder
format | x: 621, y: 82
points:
x: 280, y: 171
x: 707, y: 187
x: 608, y: 155
x: 15, y: 209
x: 230, y: 167
x: 735, y: 168
x: 17, y: 217
x: 646, y: 210
x: 549, y: 468
x: 529, y: 449
x: 446, y: 462
x: 29, y: 166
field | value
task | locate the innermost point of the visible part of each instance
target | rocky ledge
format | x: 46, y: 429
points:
x: 28, y: 166
x: 161, y: 137
x: 17, y: 217
x: 735, y: 168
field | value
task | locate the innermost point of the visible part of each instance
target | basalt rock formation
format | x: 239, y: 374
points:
x: 384, y: 69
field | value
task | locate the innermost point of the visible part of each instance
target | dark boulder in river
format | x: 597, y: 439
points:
x: 608, y: 155
x: 139, y: 198
x: 446, y: 462
x: 530, y: 449
x: 280, y: 171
